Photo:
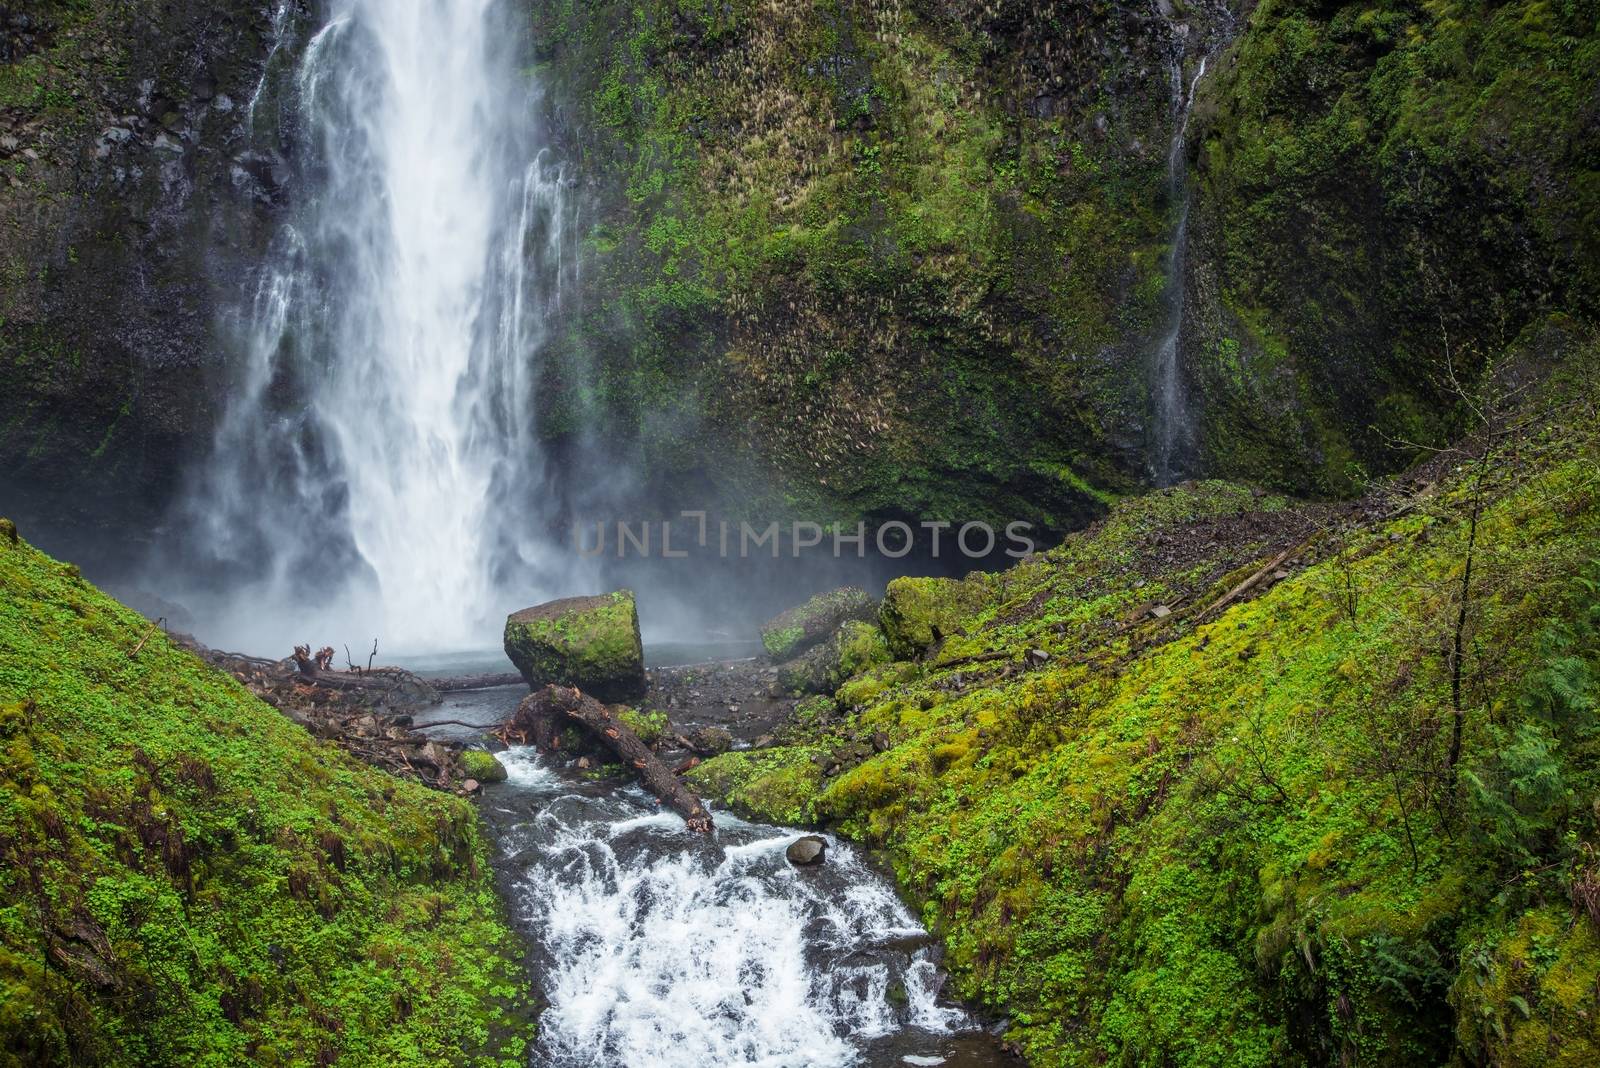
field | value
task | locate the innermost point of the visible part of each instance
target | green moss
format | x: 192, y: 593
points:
x: 1232, y: 837
x: 188, y: 877
x: 778, y: 785
x: 918, y: 613
x: 485, y: 767
x: 1397, y: 155
x: 588, y: 642
x: 814, y: 621
x: 648, y: 725
x: 831, y: 239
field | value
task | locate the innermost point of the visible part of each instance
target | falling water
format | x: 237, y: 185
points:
x: 657, y: 947
x: 1174, y: 428
x: 376, y: 468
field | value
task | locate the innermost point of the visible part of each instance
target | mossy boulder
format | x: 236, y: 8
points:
x: 805, y: 625
x: 918, y: 613
x: 485, y: 767
x: 588, y: 642
x: 853, y: 648
x: 778, y: 785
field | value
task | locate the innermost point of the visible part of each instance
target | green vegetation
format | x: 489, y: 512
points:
x: 817, y: 619
x: 1158, y: 820
x: 891, y: 249
x: 485, y: 767
x: 1389, y: 193
x: 188, y: 878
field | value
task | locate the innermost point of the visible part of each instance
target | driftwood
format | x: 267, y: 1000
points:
x: 537, y: 719
x: 452, y: 683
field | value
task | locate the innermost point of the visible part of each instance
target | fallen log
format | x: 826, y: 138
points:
x: 452, y: 683
x: 536, y: 720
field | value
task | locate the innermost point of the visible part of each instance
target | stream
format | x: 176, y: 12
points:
x: 656, y: 947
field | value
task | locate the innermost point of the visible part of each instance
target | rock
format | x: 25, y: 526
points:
x: 588, y: 642
x: 918, y: 613
x: 483, y: 766
x: 808, y: 851
x: 711, y: 741
x: 1161, y: 611
x: 822, y: 669
x: 805, y: 625
x: 471, y: 786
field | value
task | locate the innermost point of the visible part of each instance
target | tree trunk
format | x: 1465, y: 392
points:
x: 536, y: 720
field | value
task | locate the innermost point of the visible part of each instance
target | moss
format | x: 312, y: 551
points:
x: 918, y: 613
x: 817, y: 619
x: 1352, y: 140
x: 485, y: 767
x: 777, y: 785
x: 190, y: 878
x: 862, y: 647
x: 648, y: 725
x: 588, y: 642
x: 892, y: 246
x: 1190, y: 838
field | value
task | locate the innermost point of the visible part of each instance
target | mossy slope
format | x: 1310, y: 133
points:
x: 1156, y: 834
x: 189, y: 879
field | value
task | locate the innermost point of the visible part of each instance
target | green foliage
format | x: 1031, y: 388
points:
x: 588, y: 642
x: 188, y: 878
x: 1229, y: 837
x: 835, y: 239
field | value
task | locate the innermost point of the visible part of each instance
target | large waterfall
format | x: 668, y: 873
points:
x: 376, y: 469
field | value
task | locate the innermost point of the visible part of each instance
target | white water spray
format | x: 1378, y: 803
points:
x: 662, y: 949
x: 377, y: 470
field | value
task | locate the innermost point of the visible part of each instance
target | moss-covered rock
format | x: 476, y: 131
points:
x: 817, y: 619
x: 483, y: 766
x: 588, y: 642
x: 862, y: 646
x: 855, y: 647
x: 918, y: 613
x: 778, y: 785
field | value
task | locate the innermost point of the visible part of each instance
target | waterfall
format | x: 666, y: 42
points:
x: 376, y: 469
x: 1174, y: 428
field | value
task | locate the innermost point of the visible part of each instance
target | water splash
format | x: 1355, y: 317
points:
x: 660, y: 948
x: 377, y: 467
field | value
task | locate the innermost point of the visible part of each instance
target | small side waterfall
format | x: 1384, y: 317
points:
x: 376, y: 468
x: 1174, y: 434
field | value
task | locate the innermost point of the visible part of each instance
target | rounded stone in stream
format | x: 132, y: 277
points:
x: 588, y: 642
x: 808, y: 851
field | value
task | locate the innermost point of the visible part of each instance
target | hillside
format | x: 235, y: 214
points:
x: 1347, y: 814
x: 187, y: 878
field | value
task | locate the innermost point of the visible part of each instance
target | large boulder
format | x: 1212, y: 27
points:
x: 588, y: 642
x: 805, y: 625
x: 919, y: 613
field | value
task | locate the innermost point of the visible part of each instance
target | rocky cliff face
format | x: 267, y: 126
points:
x: 896, y: 258
x: 858, y: 258
x: 1389, y: 194
x: 129, y: 202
